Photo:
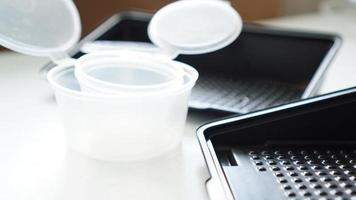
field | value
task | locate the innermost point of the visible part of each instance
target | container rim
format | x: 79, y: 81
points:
x: 189, y: 72
x: 177, y: 72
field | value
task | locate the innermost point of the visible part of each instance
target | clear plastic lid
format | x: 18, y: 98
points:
x: 51, y: 28
x: 195, y: 26
x: 40, y: 27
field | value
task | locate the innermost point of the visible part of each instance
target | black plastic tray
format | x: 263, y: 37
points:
x: 302, y: 150
x: 264, y: 67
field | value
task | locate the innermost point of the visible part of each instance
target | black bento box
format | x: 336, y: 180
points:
x: 302, y: 150
x: 264, y: 67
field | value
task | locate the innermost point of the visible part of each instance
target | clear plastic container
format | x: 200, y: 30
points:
x: 122, y: 72
x: 135, y: 126
x: 127, y: 107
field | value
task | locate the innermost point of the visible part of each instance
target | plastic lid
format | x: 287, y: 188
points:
x: 195, y: 26
x: 39, y: 27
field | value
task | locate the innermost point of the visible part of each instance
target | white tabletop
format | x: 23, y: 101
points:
x: 36, y: 164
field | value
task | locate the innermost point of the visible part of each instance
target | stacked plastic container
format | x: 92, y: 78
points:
x: 121, y: 105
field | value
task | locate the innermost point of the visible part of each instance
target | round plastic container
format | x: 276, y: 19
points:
x: 122, y: 72
x: 127, y: 127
